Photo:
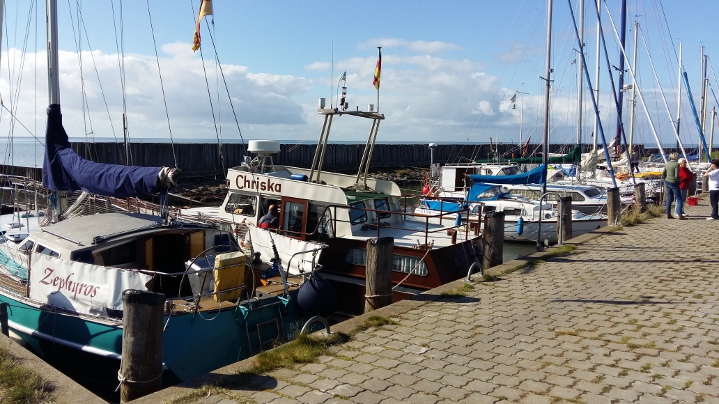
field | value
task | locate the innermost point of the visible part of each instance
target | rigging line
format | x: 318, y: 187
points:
x: 661, y: 91
x: 97, y: 74
x: 83, y: 92
x: 15, y: 93
x: 663, y: 41
x: 120, y: 47
x: 16, y: 119
x: 711, y: 67
x: 661, y: 7
x: 209, y: 93
x: 227, y: 89
x: 162, y: 85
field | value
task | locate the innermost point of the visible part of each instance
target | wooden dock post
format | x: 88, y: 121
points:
x: 4, y: 319
x: 378, y: 273
x: 640, y: 196
x: 141, y: 365
x: 564, y: 219
x: 493, y: 237
x: 614, y: 206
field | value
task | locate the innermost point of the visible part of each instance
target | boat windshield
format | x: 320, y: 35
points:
x: 592, y: 192
x: 490, y: 193
x: 512, y: 170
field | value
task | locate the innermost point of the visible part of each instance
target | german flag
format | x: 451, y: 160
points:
x: 377, y: 71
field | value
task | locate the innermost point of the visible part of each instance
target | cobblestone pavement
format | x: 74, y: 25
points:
x: 629, y: 316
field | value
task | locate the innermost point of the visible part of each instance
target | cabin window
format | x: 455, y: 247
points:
x: 293, y: 214
x: 576, y: 196
x: 26, y: 247
x: 47, y: 251
x: 513, y: 211
x: 400, y: 263
x: 118, y: 255
x: 319, y: 220
x: 592, y: 192
x: 239, y: 204
x: 358, y: 214
x: 382, y: 204
x: 489, y: 208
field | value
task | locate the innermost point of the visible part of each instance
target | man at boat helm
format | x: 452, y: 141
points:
x: 271, y: 220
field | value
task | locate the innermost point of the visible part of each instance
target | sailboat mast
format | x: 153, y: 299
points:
x: 596, y: 74
x: 545, y: 146
x: 622, y: 41
x: 580, y: 72
x: 53, y: 70
x: 679, y: 91
x: 633, y: 68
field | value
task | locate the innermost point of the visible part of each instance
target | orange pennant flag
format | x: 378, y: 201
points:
x: 205, y: 9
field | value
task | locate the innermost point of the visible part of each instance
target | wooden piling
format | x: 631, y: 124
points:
x: 4, y: 319
x: 378, y: 273
x: 141, y: 366
x: 614, y: 206
x: 640, y: 197
x: 564, y: 219
x: 493, y: 237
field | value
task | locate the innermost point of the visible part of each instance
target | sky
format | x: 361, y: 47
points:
x: 449, y: 70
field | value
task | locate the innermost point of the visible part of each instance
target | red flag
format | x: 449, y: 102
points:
x: 205, y: 9
x: 526, y: 146
x: 377, y: 71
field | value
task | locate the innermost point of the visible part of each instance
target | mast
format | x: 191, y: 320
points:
x: 545, y: 145
x: 580, y: 73
x: 596, y: 74
x: 679, y: 90
x: 620, y: 84
x: 53, y: 70
x: 633, y: 68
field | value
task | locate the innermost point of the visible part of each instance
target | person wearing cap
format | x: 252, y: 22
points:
x: 271, y: 220
x: 713, y: 184
x: 670, y: 174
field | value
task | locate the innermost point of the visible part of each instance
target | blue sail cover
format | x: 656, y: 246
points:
x: 64, y: 170
x: 534, y: 176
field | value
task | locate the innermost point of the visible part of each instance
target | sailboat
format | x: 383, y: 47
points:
x: 63, y: 283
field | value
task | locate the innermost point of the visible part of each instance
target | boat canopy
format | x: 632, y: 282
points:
x: 485, y: 192
x: 534, y: 176
x: 65, y: 170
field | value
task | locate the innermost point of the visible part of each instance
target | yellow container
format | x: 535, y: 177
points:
x: 229, y: 273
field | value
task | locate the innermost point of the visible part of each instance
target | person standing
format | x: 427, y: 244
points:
x: 670, y: 174
x: 686, y: 176
x: 713, y: 184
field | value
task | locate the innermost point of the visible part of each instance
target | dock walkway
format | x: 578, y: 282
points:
x: 631, y: 315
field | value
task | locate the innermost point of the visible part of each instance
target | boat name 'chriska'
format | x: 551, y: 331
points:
x: 68, y: 284
x: 266, y: 184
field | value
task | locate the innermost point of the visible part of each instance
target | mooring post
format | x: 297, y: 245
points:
x: 4, y: 319
x: 564, y: 219
x: 640, y: 197
x: 141, y: 365
x: 493, y: 236
x: 378, y: 273
x: 614, y: 206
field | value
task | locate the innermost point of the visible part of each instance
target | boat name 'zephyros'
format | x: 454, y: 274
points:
x: 68, y: 284
x: 247, y: 182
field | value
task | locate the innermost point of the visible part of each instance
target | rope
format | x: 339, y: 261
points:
x: 162, y: 84
x: 416, y: 266
x: 124, y: 379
